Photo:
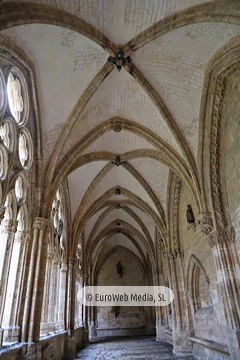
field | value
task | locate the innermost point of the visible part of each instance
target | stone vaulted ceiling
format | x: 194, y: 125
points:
x: 104, y: 129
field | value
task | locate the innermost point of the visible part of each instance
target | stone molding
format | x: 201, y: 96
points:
x: 23, y: 236
x: 42, y: 224
x: 127, y: 252
x: 176, y: 200
x: 9, y: 226
x: 205, y: 223
x: 175, y: 255
x: 2, y: 213
x: 216, y: 150
x: 221, y: 236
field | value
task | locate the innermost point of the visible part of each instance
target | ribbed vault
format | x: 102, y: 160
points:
x: 118, y: 136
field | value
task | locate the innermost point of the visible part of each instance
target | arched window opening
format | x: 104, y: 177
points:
x: 53, y: 314
x: 16, y: 155
x: 14, y: 96
x: 198, y: 285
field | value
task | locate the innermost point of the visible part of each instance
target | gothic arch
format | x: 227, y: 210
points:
x: 127, y: 252
x: 195, y: 268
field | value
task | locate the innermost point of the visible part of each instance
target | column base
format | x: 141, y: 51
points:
x: 234, y: 343
x: 85, y: 335
x: 1, y: 336
x: 160, y: 333
x: 181, y: 344
x: 92, y: 331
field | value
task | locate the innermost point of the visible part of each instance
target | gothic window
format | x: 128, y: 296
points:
x: 5, y: 134
x: 16, y: 155
x: 53, y: 311
x: 14, y: 96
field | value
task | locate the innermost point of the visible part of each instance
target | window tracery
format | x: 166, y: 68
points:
x: 16, y: 156
x: 5, y: 135
x: 19, y: 192
x: 14, y: 97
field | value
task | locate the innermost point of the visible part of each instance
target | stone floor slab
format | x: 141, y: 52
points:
x: 140, y: 348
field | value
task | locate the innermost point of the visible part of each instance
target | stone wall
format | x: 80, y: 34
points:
x: 208, y: 317
x: 56, y: 347
x: 122, y: 320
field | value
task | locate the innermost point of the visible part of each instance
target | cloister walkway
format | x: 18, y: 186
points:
x: 141, y: 348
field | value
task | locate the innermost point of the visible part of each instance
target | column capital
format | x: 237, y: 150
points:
x: 42, y: 224
x: 71, y: 260
x: 56, y: 261
x: 2, y: 212
x: 64, y: 267
x: 205, y: 223
x: 221, y: 236
x: 175, y: 255
x: 9, y: 226
x: 50, y: 255
x: 23, y: 236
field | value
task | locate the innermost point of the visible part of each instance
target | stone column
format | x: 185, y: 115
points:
x: 91, y: 320
x: 181, y: 328
x: 160, y: 323
x: 2, y: 212
x: 23, y: 237
x: 62, y: 297
x: 227, y: 266
x: 36, y: 280
x: 56, y: 310
x: 46, y: 299
x: 85, y: 312
x: 71, y: 294
x: 9, y: 228
x: 52, y: 295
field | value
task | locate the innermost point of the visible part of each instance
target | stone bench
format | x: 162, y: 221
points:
x: 168, y: 336
x: 208, y: 349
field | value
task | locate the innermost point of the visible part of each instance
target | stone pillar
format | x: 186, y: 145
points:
x: 23, y: 237
x: 85, y: 313
x: 2, y: 212
x: 9, y: 228
x: 62, y: 297
x: 46, y: 299
x: 160, y: 323
x: 227, y: 266
x: 36, y: 280
x: 52, y: 295
x: 91, y: 320
x: 56, y: 310
x: 181, y: 329
x: 71, y: 295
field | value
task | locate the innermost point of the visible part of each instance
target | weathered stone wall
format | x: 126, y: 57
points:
x: 125, y: 320
x: 232, y: 158
x: 195, y: 245
x: 58, y: 347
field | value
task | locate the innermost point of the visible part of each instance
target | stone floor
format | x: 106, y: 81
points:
x: 141, y: 348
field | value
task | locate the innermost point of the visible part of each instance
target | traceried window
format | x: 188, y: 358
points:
x: 53, y: 312
x: 16, y: 154
x: 14, y: 96
x: 5, y: 134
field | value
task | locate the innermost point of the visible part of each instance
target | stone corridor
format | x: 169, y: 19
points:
x: 141, y: 348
